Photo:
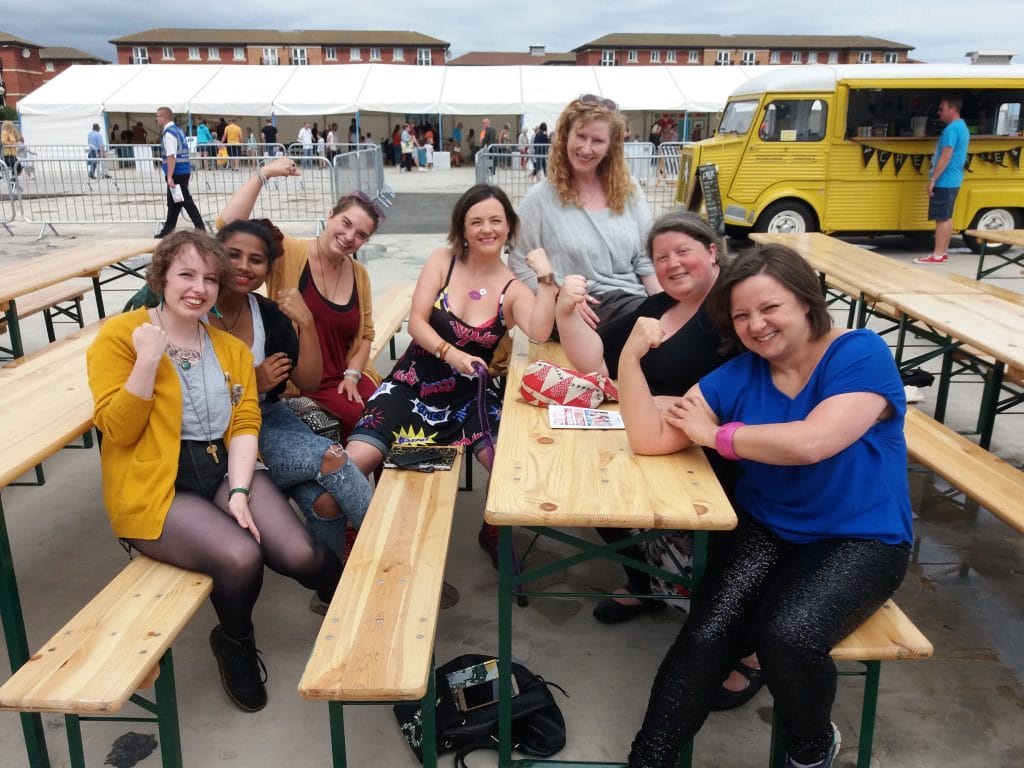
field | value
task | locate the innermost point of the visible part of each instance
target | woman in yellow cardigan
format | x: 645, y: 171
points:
x: 176, y: 402
x: 335, y: 287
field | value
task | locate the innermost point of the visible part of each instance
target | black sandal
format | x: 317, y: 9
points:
x: 725, y: 699
x: 611, y: 611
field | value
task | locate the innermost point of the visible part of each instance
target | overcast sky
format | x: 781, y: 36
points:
x: 939, y: 30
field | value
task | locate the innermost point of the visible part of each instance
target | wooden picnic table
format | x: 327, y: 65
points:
x: 1011, y: 237
x: 545, y: 479
x: 88, y: 259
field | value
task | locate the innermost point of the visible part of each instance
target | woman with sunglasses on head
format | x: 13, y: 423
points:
x: 175, y: 400
x: 589, y: 214
x: 334, y: 287
x: 329, y: 490
x: 814, y: 415
x: 465, y: 301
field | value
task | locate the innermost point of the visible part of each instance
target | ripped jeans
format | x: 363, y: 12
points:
x: 294, y: 454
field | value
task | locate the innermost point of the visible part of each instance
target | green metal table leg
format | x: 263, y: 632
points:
x: 981, y: 260
x: 942, y: 396
x: 99, y: 296
x: 505, y: 647
x: 777, y: 750
x: 685, y: 755
x: 990, y: 405
x: 872, y: 676
x: 14, y: 329
x: 166, y: 700
x: 428, y: 707
x: 336, y: 711
x: 76, y: 752
x: 17, y: 646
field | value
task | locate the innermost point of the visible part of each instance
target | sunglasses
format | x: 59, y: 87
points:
x: 590, y: 100
x: 365, y: 198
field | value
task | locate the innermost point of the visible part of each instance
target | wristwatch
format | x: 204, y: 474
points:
x: 548, y: 279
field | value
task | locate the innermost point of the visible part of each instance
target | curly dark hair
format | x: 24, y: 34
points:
x: 788, y: 268
x: 264, y: 229
x: 211, y: 251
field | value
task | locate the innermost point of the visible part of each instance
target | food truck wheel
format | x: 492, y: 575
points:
x: 786, y: 216
x: 993, y: 218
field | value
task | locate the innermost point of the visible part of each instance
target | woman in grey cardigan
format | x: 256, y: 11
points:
x: 589, y: 214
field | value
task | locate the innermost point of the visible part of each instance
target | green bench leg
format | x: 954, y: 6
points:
x: 336, y: 710
x: 167, y: 713
x: 429, y: 706
x: 872, y: 675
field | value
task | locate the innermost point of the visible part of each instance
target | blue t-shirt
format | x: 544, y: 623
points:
x: 957, y: 136
x: 862, y: 491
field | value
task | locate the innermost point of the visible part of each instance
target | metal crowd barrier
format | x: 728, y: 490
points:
x: 510, y: 166
x: 129, y: 186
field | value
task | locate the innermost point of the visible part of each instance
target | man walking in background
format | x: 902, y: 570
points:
x: 946, y: 176
x: 96, y: 147
x: 269, y: 133
x: 306, y: 140
x: 177, y: 171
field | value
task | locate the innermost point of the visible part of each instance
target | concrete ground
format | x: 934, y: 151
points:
x: 965, y: 590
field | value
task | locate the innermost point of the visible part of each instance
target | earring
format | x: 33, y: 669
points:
x: 216, y: 312
x: 161, y: 301
x: 465, y: 245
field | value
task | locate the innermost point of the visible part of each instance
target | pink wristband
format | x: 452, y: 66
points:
x: 723, y: 440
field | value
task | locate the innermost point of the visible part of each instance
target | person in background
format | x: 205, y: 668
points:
x: 11, y: 141
x: 945, y: 177
x: 305, y: 138
x: 177, y: 170
x: 232, y: 136
x: 205, y: 147
x: 396, y: 146
x: 269, y: 134
x: 177, y: 406
x: 541, y: 143
x: 814, y: 416
x: 465, y: 301
x: 589, y: 214
x: 334, y: 286
x: 96, y: 147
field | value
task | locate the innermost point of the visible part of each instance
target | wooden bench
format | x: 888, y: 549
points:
x: 49, y: 301
x: 969, y: 468
x: 376, y: 643
x: 390, y: 310
x: 888, y: 635
x: 118, y: 643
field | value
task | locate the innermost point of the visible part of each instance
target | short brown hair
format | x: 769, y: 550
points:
x: 687, y: 223
x: 780, y: 262
x: 211, y: 251
x: 477, y: 194
x: 353, y: 199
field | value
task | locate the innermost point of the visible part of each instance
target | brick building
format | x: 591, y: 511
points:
x: 272, y: 47
x: 56, y: 59
x: 21, y: 69
x: 536, y: 56
x: 652, y: 49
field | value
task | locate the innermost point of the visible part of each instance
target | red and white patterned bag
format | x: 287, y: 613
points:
x: 547, y: 384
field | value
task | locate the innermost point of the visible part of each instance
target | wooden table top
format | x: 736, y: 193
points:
x: 83, y: 260
x: 1008, y: 236
x: 588, y: 478
x: 986, y: 322
x: 863, y: 270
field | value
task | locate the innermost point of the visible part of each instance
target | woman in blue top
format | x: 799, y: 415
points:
x: 814, y: 415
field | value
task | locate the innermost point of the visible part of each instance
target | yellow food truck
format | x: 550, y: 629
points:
x: 848, y: 149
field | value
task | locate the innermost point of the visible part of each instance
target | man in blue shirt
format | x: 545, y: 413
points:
x: 946, y: 176
x: 95, y: 141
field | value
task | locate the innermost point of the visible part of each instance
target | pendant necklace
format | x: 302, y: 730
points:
x: 210, y: 447
x: 183, y: 357
x: 337, y: 280
x: 231, y: 328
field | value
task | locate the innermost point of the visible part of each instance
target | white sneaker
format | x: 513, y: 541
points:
x: 826, y: 761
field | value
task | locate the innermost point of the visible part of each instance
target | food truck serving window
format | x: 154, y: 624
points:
x: 913, y: 112
x: 794, y: 120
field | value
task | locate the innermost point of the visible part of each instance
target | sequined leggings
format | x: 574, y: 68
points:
x: 791, y: 603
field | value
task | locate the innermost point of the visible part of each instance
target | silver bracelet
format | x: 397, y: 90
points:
x: 355, y: 374
x: 261, y: 177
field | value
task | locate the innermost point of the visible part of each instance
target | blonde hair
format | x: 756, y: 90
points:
x: 612, y: 171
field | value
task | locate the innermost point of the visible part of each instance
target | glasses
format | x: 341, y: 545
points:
x: 590, y: 100
x: 365, y: 198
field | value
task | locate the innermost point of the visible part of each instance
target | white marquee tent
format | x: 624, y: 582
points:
x: 63, y: 110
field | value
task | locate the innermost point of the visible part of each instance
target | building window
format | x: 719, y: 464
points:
x: 723, y: 59
x: 355, y: 54
x: 213, y: 54
x: 299, y: 58
x: 655, y: 57
x: 749, y: 58
x: 398, y: 54
x: 833, y: 57
x: 670, y: 57
x: 632, y: 56
x: 193, y: 54
x: 796, y: 57
x: 49, y: 66
x: 270, y: 58
x: 693, y: 57
x: 607, y: 58
x: 140, y: 55
x: 423, y: 58
x: 330, y: 54
x: 375, y: 54
x: 812, y: 57
x: 864, y: 57
x: 891, y: 58
x: 167, y: 53
x: 239, y: 54
x: 774, y: 57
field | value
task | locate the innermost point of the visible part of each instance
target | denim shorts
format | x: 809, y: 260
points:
x: 940, y: 204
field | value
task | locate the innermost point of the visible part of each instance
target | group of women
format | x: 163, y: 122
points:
x: 737, y: 356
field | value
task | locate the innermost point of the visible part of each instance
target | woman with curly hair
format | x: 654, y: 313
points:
x: 589, y: 215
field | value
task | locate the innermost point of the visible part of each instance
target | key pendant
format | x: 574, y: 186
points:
x: 212, y: 450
